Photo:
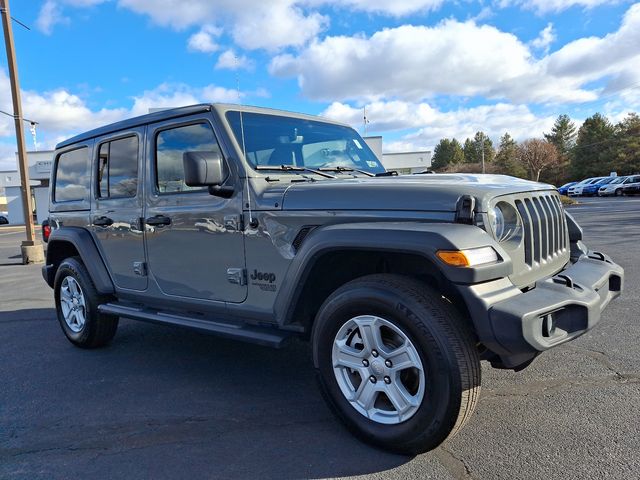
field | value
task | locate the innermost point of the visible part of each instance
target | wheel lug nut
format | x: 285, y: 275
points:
x: 365, y: 362
x: 374, y: 353
x: 387, y: 380
x: 373, y: 379
x: 388, y: 363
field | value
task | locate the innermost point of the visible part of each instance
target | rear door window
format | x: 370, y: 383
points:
x: 118, y: 168
x: 72, y: 176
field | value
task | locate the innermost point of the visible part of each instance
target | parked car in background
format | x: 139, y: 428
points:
x: 564, y: 189
x: 576, y: 190
x: 3, y: 220
x: 633, y: 186
x: 592, y: 188
x: 614, y: 187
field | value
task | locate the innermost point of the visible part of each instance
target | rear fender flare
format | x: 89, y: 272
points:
x: 83, y: 242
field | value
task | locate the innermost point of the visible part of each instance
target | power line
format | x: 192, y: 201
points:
x: 32, y: 122
x: 2, y: 10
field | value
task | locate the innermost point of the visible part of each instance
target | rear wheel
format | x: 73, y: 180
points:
x: 77, y: 302
x: 397, y: 362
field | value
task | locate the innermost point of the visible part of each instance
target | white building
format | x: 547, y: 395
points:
x: 39, y: 173
x: 401, y: 162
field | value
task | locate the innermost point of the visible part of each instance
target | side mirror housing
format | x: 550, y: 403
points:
x: 204, y: 169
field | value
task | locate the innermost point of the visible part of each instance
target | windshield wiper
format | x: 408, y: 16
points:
x: 346, y: 169
x: 293, y: 168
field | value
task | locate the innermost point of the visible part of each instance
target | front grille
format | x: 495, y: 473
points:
x: 545, y: 228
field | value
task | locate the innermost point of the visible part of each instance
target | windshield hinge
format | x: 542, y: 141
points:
x: 465, y: 209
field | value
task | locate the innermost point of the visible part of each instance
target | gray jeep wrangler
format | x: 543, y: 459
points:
x: 259, y: 225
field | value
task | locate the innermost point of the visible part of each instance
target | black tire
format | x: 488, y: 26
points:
x: 619, y: 192
x: 445, y: 344
x: 98, y: 329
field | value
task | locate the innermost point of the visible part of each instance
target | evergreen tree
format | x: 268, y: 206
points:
x: 593, y: 150
x: 625, y: 158
x: 506, y: 161
x: 470, y: 151
x: 473, y: 149
x: 563, y: 137
x: 446, y: 153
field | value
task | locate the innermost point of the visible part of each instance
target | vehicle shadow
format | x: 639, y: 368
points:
x: 163, y: 402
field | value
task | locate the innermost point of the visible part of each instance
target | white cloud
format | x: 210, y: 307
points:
x: 548, y: 6
x: 544, y: 40
x: 429, y: 125
x: 253, y: 24
x: 230, y: 60
x: 415, y: 62
x: 594, y: 57
x: 50, y: 15
x: 7, y: 156
x: 459, y: 58
x: 203, y: 41
x: 385, y: 7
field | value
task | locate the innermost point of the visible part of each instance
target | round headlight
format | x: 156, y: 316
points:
x: 505, y: 221
x: 496, y: 217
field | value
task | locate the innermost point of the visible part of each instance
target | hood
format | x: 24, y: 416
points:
x: 427, y: 192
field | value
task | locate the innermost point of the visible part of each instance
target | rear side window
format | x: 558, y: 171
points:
x: 171, y: 144
x: 72, y: 176
x: 118, y: 168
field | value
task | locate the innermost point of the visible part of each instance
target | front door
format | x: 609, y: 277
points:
x: 195, y: 243
x: 115, y: 220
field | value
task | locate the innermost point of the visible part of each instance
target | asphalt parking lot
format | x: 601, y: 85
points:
x: 162, y: 402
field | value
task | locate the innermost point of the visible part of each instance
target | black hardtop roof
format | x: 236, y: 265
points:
x: 134, y: 122
x: 180, y: 112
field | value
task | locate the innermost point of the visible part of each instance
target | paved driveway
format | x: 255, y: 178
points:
x: 167, y: 403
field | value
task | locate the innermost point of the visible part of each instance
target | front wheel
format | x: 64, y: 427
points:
x: 397, y: 362
x: 619, y: 192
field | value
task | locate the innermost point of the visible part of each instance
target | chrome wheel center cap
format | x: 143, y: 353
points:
x: 377, y: 367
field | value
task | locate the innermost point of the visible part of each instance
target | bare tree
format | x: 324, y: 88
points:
x: 538, y: 155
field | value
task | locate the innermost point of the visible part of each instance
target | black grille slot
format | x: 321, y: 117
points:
x: 302, y: 234
x: 527, y: 232
x: 544, y: 228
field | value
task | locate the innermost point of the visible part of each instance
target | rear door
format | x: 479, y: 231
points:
x: 195, y: 243
x: 116, y: 216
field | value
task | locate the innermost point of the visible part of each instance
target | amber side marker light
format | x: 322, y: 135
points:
x: 468, y: 258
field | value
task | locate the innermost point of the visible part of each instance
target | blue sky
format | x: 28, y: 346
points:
x: 424, y: 69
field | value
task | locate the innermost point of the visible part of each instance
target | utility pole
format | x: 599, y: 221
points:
x: 482, y: 146
x: 32, y: 251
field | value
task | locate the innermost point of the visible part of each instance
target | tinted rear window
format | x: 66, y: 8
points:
x: 72, y: 176
x: 118, y: 168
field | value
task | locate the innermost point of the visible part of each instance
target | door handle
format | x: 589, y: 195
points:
x: 102, y: 221
x: 158, y: 221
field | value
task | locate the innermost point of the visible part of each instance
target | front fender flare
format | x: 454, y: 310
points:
x: 423, y: 239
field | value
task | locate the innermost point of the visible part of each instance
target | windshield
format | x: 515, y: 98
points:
x: 618, y: 180
x: 273, y: 140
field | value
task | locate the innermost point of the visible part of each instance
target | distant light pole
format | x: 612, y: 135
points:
x: 31, y: 249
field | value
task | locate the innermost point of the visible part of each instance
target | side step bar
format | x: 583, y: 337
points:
x: 261, y: 336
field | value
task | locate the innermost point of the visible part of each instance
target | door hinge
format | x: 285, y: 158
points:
x: 233, y: 223
x: 140, y: 268
x: 237, y: 276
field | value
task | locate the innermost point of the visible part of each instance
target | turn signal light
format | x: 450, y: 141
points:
x: 468, y: 258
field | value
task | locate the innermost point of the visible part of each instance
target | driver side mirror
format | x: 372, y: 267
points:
x: 204, y: 169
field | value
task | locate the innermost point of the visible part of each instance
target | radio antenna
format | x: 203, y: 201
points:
x: 244, y: 146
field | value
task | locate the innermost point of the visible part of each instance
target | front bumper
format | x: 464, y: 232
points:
x: 517, y: 325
